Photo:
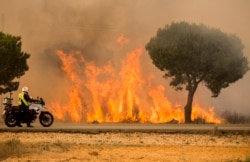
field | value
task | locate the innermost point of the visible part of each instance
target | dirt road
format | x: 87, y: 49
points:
x: 131, y: 127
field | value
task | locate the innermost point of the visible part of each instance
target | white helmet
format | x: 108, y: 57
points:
x: 25, y: 89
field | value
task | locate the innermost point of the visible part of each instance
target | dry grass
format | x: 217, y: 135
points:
x: 139, y: 147
x: 12, y: 147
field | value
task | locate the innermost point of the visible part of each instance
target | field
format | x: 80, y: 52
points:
x: 29, y: 147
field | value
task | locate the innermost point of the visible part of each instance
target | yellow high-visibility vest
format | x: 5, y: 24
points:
x: 21, y: 98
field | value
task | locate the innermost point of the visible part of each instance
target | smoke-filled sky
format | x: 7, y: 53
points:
x: 93, y: 26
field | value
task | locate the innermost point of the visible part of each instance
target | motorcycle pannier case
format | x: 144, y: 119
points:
x: 7, y: 101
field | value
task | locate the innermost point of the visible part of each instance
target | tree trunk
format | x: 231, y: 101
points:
x: 188, y: 107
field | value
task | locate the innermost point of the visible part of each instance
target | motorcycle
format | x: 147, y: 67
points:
x: 36, y: 109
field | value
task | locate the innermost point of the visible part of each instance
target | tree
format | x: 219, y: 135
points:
x: 190, y: 54
x: 13, y: 62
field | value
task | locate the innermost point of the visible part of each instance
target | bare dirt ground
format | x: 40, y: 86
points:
x: 27, y: 147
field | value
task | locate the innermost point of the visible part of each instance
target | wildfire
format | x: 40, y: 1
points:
x: 105, y: 94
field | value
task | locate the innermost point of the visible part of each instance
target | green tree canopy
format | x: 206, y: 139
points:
x: 13, y: 62
x: 190, y: 54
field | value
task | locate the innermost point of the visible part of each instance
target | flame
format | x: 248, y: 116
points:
x: 105, y: 94
x: 162, y: 109
x: 209, y: 116
x: 122, y: 40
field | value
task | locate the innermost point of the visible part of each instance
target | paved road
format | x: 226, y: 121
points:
x: 132, y: 127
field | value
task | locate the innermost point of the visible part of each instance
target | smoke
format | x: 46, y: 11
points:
x: 93, y: 27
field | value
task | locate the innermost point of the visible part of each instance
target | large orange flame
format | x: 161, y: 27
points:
x: 104, y: 94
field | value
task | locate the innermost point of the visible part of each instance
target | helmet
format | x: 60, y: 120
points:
x: 25, y: 89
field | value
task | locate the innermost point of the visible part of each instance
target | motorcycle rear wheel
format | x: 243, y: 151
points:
x: 46, y: 119
x: 10, y: 120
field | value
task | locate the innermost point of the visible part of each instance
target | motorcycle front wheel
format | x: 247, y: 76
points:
x: 46, y: 119
x: 10, y: 120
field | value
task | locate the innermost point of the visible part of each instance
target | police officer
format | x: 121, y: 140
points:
x: 24, y: 101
